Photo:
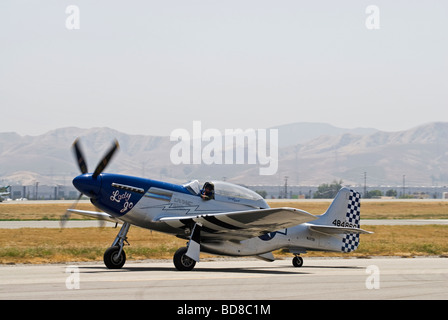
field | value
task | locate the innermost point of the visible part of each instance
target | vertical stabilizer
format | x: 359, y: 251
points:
x: 343, y: 215
x: 345, y: 208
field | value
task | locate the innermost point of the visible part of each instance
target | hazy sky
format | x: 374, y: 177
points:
x: 149, y: 67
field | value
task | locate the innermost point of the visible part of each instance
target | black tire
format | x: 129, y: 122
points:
x: 181, y: 261
x: 112, y: 260
x: 297, y: 262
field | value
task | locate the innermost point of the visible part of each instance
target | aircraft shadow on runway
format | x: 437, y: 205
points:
x: 253, y: 270
x: 196, y: 270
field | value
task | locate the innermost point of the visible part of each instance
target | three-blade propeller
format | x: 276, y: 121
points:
x: 101, y: 165
x: 83, y: 168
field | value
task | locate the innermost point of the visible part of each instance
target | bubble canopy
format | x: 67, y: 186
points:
x: 229, y: 192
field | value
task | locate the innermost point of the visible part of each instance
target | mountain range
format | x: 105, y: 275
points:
x: 308, y: 154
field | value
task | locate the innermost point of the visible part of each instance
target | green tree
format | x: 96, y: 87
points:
x: 262, y: 193
x: 391, y: 193
x: 373, y: 194
x: 328, y: 191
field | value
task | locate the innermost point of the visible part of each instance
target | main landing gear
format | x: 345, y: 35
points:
x: 185, y: 258
x: 297, y: 261
x: 114, y: 257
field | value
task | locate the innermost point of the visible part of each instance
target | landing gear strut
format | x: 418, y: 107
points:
x: 114, y: 257
x: 297, y: 261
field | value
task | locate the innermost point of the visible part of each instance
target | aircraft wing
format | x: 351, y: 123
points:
x: 95, y: 215
x: 241, y: 225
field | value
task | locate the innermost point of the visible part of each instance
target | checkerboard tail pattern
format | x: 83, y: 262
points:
x: 351, y: 241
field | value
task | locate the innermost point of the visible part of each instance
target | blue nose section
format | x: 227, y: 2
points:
x: 88, y: 185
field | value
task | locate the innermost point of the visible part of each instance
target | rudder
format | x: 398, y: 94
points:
x: 354, y: 208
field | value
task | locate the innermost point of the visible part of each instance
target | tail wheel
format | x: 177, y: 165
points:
x: 113, y: 258
x: 297, y: 261
x: 181, y: 261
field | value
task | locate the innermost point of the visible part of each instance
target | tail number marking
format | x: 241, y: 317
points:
x: 343, y: 224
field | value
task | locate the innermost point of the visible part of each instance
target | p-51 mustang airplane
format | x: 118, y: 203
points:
x: 229, y: 220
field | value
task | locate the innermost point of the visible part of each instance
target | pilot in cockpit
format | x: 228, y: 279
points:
x: 207, y: 191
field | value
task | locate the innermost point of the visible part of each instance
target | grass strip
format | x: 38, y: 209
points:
x: 369, y: 209
x: 29, y: 245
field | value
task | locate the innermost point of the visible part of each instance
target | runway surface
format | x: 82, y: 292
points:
x: 319, y: 278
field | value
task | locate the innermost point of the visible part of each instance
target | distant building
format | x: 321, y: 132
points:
x: 43, y: 192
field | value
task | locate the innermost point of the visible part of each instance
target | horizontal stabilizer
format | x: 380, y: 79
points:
x: 338, y: 230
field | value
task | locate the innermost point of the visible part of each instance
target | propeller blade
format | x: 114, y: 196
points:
x: 67, y: 214
x: 79, y: 157
x: 105, y: 161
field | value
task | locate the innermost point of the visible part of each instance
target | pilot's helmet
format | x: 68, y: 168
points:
x: 208, y: 185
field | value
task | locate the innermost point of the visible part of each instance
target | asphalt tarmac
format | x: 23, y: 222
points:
x: 228, y: 279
